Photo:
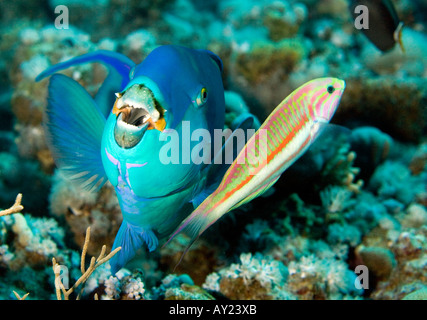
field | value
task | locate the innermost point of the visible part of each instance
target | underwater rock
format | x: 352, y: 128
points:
x: 380, y: 261
x: 283, y: 20
x: 393, y: 179
x: 372, y: 147
x: 138, y: 44
x: 202, y: 254
x: 420, y: 294
x: 415, y: 217
x: 260, y: 72
x: 187, y: 292
x: 394, y: 106
x: 418, y: 162
x: 81, y: 208
x: 409, y: 247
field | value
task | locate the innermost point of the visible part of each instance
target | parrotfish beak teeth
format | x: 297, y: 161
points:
x: 128, y: 135
x: 139, y: 106
x: 137, y: 111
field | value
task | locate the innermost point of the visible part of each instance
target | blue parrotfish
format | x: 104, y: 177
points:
x: 290, y: 129
x: 119, y: 134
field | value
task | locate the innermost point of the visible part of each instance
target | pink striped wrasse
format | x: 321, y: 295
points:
x: 283, y: 137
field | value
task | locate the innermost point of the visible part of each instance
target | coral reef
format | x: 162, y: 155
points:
x: 255, y: 277
x: 396, y: 103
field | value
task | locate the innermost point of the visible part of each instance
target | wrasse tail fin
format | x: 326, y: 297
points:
x: 194, y: 225
x: 74, y: 127
x: 197, y: 222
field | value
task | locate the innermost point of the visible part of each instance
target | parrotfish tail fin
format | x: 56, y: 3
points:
x: 131, y: 238
x: 220, y: 162
x: 74, y: 127
x: 119, y: 67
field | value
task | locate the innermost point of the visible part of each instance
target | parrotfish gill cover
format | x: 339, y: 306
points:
x: 118, y: 135
x: 289, y: 131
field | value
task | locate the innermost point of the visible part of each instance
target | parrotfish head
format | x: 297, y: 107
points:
x: 173, y: 83
x: 172, y: 93
x: 137, y: 109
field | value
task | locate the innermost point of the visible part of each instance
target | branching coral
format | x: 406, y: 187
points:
x: 339, y: 169
x: 86, y: 273
x: 15, y: 208
x: 19, y: 297
x: 335, y: 199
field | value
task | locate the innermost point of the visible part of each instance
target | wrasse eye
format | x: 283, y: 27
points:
x: 202, y: 97
x: 330, y: 89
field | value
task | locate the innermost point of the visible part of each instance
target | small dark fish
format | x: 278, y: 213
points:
x: 385, y: 28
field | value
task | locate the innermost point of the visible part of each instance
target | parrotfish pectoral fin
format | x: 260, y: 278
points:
x: 119, y: 67
x: 74, y: 127
x: 131, y: 238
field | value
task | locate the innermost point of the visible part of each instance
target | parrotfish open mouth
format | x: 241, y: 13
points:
x: 137, y: 111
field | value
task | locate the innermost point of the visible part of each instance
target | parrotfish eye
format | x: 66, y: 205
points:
x: 202, y: 97
x: 330, y: 89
